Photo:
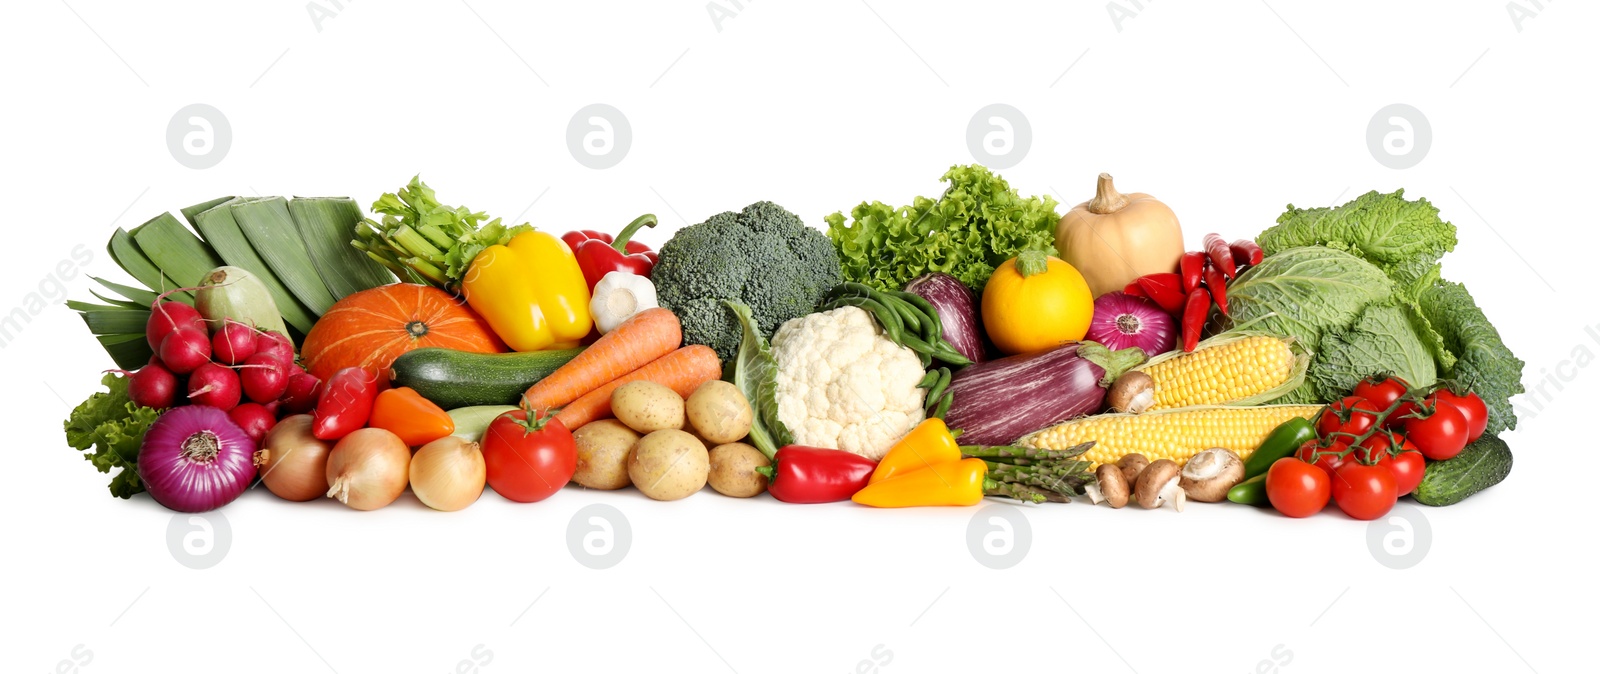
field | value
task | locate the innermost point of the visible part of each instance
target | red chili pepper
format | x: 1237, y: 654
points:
x: 599, y: 255
x: 1221, y: 256
x: 1218, y: 287
x: 801, y: 474
x: 1246, y: 251
x: 1194, y: 317
x: 1190, y: 266
x: 1133, y: 289
x: 345, y: 403
x: 1165, y: 289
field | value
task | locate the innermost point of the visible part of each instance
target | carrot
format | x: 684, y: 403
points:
x: 644, y: 337
x: 683, y: 371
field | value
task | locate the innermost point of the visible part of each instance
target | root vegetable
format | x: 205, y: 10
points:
x: 719, y: 412
x: 153, y: 386
x: 301, y: 395
x: 185, y: 349
x: 167, y: 316
x: 233, y: 342
x: 264, y: 378
x: 367, y: 470
x: 646, y: 406
x: 214, y: 386
x: 447, y: 474
x: 254, y: 419
x: 668, y: 465
x: 603, y: 448
x: 733, y: 470
x: 292, y: 462
x: 276, y: 344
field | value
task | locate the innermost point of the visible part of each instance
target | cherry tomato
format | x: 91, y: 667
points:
x: 1408, y: 467
x: 1382, y: 390
x: 1440, y: 434
x: 1297, y: 488
x: 1363, y: 492
x: 527, y: 461
x: 1471, y: 407
x: 1353, y: 415
x: 1327, y: 458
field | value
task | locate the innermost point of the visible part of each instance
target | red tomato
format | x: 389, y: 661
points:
x: 1471, y: 407
x: 1408, y: 467
x: 1327, y: 458
x: 527, y: 461
x: 1363, y: 492
x: 1353, y: 415
x: 1439, y: 435
x: 1382, y: 390
x: 1297, y: 488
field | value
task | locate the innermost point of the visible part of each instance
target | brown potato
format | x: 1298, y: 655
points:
x: 733, y: 470
x: 646, y: 406
x: 668, y: 465
x: 603, y: 448
x: 719, y: 412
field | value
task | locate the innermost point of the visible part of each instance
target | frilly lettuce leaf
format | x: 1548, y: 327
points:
x: 111, y: 425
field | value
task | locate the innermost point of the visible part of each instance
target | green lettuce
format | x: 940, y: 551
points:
x: 1403, y: 238
x: 977, y: 224
x: 112, y: 426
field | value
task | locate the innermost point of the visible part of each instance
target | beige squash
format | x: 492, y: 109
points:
x: 1115, y: 238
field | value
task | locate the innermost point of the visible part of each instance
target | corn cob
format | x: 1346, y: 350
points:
x: 1237, y: 368
x: 1175, y: 434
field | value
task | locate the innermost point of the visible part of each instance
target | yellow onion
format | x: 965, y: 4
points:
x: 293, y: 463
x: 367, y: 469
x: 448, y: 473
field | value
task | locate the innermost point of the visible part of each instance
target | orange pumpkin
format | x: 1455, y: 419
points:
x: 371, y: 328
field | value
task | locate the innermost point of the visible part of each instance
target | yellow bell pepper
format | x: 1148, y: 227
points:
x: 531, y: 292
x: 953, y: 483
x: 928, y: 444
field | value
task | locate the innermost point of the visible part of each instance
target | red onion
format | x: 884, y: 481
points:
x: 195, y: 459
x: 1122, y: 320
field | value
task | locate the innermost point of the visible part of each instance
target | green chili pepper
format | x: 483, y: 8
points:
x: 1250, y: 492
x: 1281, y: 442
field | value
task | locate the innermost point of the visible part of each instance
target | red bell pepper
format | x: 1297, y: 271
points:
x: 344, y: 404
x: 801, y: 474
x: 598, y: 254
x: 1166, y: 289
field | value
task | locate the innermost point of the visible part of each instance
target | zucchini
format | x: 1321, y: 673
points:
x: 472, y: 422
x: 1483, y: 464
x: 452, y: 378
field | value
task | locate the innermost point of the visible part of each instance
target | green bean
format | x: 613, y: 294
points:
x: 944, y: 405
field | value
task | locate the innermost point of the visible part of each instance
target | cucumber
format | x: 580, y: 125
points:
x: 454, y: 379
x: 1483, y: 464
x: 471, y: 422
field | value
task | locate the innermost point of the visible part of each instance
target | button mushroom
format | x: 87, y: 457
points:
x: 1133, y: 392
x: 1110, y: 486
x: 1158, y: 485
x: 1132, y: 465
x: 1210, y: 474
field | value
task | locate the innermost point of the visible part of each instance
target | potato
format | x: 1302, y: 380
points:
x: 603, y: 448
x: 733, y: 470
x: 668, y: 464
x: 719, y: 413
x: 646, y: 406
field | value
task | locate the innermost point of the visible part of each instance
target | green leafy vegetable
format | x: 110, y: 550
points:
x: 1403, y: 238
x: 424, y: 241
x: 978, y: 223
x: 1383, y: 339
x: 1483, y: 361
x: 755, y: 372
x: 112, y: 426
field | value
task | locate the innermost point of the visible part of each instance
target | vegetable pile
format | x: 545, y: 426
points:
x: 977, y: 345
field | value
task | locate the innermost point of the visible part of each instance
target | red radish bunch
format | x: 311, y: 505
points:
x: 234, y: 342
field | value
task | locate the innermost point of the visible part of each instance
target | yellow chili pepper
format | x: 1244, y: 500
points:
x: 953, y: 483
x: 531, y: 291
x: 929, y: 444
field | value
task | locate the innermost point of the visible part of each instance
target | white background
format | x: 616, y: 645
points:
x: 1227, y: 112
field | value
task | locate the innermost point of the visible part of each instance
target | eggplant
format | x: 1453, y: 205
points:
x: 996, y: 402
x: 958, y: 312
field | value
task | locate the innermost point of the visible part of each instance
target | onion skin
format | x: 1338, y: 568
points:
x: 1116, y: 313
x: 194, y: 459
x: 368, y: 469
x: 448, y: 474
x: 958, y: 312
x: 293, y: 463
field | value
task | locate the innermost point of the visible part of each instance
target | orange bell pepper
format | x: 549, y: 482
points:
x: 929, y: 444
x: 406, y: 413
x: 953, y: 483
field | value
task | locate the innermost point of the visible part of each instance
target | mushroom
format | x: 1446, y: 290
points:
x: 1132, y: 465
x: 1210, y: 474
x: 1158, y: 485
x: 1110, y: 486
x: 1133, y: 392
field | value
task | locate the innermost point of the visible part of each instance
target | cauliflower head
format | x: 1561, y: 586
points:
x: 842, y: 384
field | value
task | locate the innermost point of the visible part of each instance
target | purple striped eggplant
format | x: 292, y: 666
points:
x: 1001, y: 400
x: 958, y: 312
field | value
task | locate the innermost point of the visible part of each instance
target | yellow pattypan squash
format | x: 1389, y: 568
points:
x: 1036, y: 302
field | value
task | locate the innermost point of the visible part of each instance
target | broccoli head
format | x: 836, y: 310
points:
x: 763, y: 256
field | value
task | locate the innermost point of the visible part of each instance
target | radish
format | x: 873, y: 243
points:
x: 185, y: 349
x: 153, y: 386
x: 277, y: 344
x: 272, y: 408
x: 264, y: 378
x: 213, y: 385
x: 233, y: 342
x: 254, y: 419
x: 168, y: 315
x: 302, y: 393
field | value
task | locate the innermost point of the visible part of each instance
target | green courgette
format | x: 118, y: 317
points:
x: 1483, y: 464
x: 472, y: 422
x: 454, y: 379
